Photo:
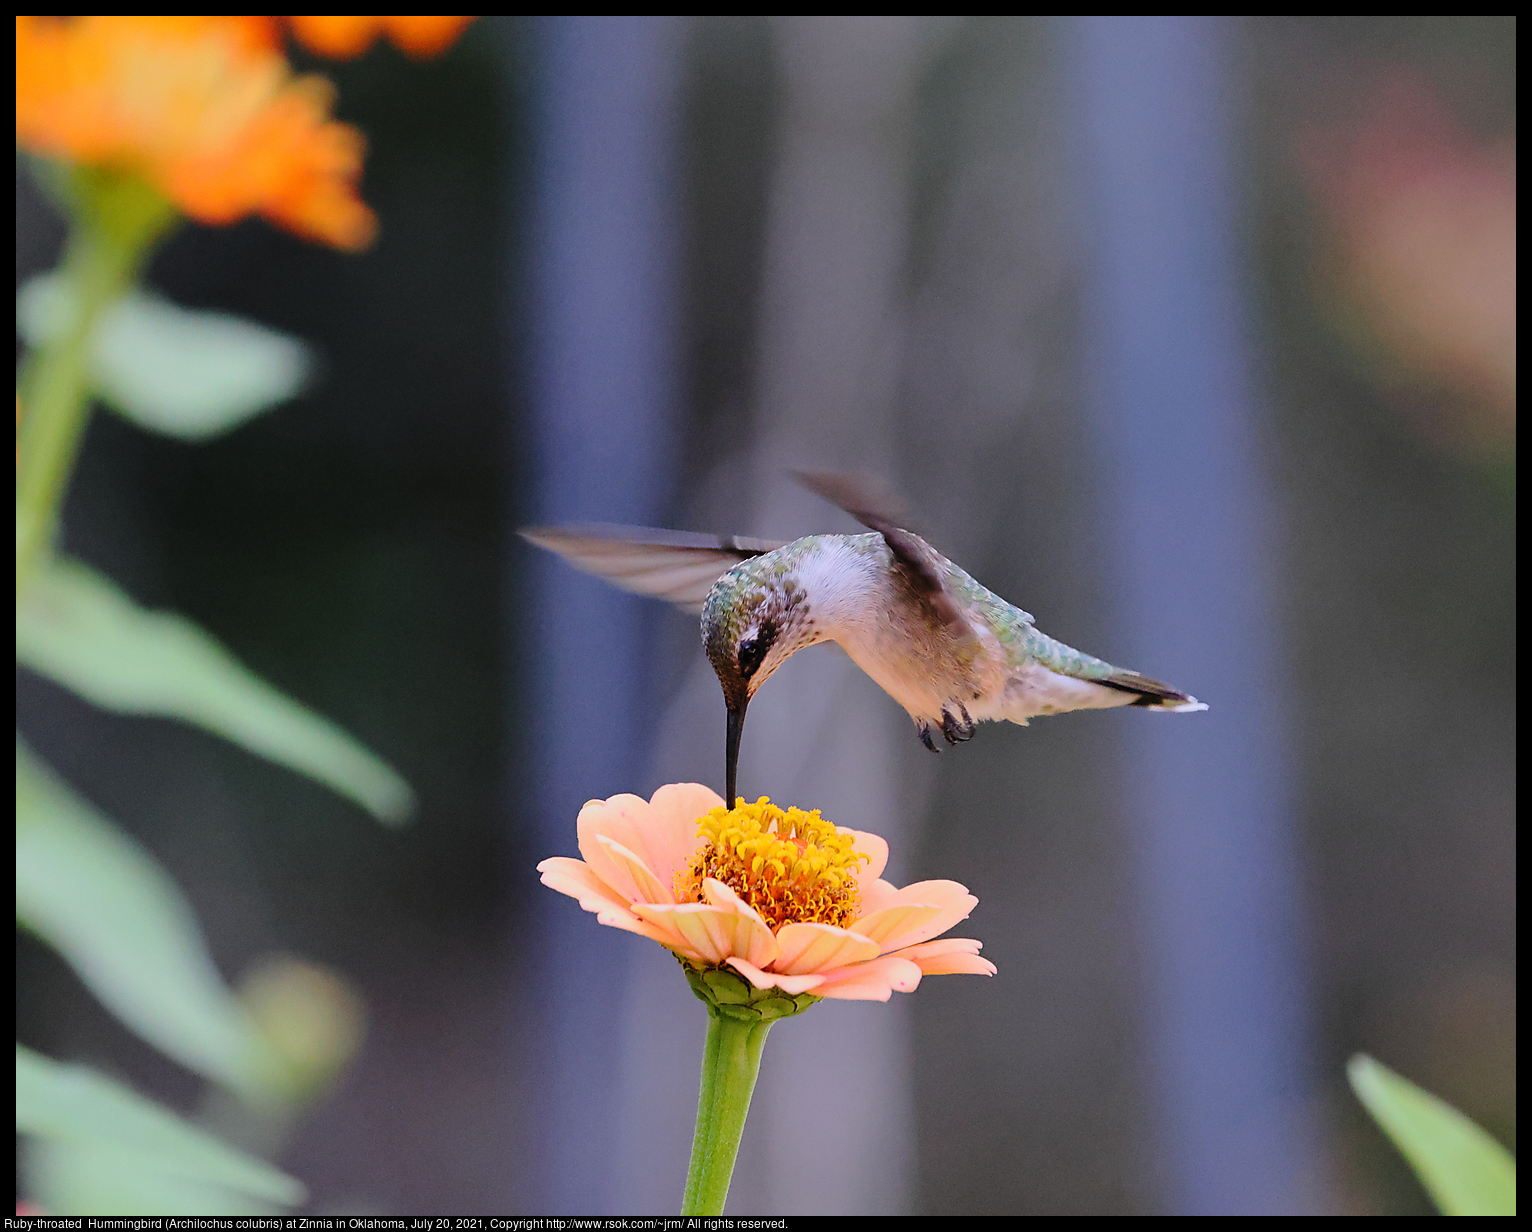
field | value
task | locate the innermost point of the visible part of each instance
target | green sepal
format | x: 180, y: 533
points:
x: 726, y: 992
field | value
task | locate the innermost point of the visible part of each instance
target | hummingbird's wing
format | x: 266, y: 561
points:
x: 876, y: 506
x: 678, y: 566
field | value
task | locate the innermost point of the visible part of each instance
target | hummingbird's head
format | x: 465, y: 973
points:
x: 755, y: 618
x: 751, y: 625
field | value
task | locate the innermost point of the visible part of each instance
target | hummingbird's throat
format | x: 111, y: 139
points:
x: 792, y: 867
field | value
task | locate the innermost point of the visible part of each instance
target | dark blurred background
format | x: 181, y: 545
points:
x: 881, y: 243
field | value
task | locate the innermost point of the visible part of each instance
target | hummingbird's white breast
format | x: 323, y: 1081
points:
x: 855, y: 600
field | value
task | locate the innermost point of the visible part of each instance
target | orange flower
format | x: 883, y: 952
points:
x: 204, y: 108
x: 343, y: 38
x: 1424, y: 215
x: 786, y: 899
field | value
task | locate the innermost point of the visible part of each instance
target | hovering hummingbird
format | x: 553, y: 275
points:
x: 951, y: 652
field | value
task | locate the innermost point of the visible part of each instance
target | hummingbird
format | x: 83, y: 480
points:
x: 948, y: 650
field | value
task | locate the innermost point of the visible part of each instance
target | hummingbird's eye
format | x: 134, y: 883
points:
x: 753, y: 650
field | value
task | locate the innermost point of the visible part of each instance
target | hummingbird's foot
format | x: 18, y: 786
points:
x: 925, y: 737
x: 956, y: 730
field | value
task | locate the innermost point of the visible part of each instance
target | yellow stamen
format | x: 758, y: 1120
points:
x: 792, y: 867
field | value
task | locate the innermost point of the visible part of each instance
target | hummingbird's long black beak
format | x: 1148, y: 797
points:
x: 731, y: 749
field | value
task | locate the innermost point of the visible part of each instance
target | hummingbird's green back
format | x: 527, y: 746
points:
x: 1023, y: 642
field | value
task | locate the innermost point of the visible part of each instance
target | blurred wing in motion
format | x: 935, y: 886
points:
x: 870, y: 499
x: 875, y: 504
x: 677, y: 566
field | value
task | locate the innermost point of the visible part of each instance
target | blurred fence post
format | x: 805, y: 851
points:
x: 601, y: 261
x: 832, y: 327
x: 831, y: 1126
x: 1189, y: 518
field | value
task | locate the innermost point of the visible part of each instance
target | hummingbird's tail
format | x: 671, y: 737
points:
x: 1152, y: 695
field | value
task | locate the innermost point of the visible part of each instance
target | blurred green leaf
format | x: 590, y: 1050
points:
x: 100, y: 899
x: 186, y: 373
x: 93, y: 1178
x: 102, y: 1123
x: 75, y: 626
x: 1466, y: 1171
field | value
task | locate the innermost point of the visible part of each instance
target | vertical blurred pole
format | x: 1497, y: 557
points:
x: 833, y: 1128
x: 830, y: 1129
x: 602, y: 255
x: 1189, y: 510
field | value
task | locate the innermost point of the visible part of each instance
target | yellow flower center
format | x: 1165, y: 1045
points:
x: 792, y: 867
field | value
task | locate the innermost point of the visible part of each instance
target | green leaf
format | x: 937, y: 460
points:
x: 75, y: 626
x: 187, y: 373
x: 72, y: 1178
x: 1466, y: 1171
x: 78, y: 1108
x: 100, y: 899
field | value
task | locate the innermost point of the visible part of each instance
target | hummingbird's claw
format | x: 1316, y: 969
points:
x: 954, y: 729
x: 925, y: 737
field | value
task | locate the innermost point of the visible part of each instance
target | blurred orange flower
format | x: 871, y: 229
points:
x: 204, y: 108
x: 342, y: 38
x: 786, y: 899
x: 1424, y: 216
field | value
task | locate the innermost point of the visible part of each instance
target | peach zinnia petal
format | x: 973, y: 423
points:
x: 621, y: 818
x: 680, y: 933
x: 875, y: 846
x: 681, y: 804
x: 662, y: 833
x: 877, y: 895
x: 949, y: 956
x: 954, y: 901
x: 650, y: 889
x: 763, y: 948
x: 625, y: 920
x: 723, y: 896
x: 630, y: 821
x: 896, y: 921
x: 790, y: 984
x: 575, y: 878
x: 808, y: 948
x: 711, y: 933
x: 871, y: 981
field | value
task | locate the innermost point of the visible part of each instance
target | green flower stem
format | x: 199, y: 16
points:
x: 115, y: 221
x: 739, y: 1016
x: 729, y: 1069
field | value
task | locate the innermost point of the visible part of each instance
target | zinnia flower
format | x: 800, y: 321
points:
x: 203, y: 108
x: 786, y: 899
